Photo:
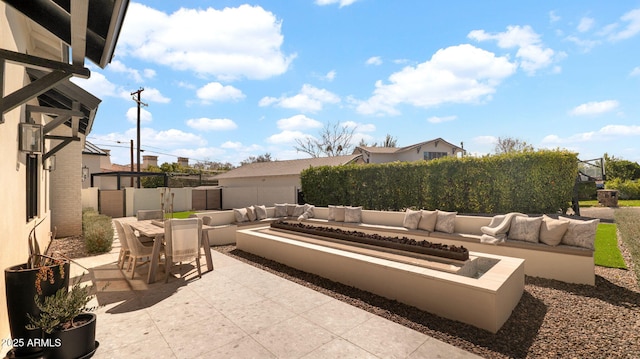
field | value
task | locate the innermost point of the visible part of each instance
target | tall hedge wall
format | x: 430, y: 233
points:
x: 531, y: 182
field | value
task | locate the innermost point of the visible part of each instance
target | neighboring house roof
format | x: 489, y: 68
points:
x: 284, y: 168
x: 91, y: 149
x: 404, y: 149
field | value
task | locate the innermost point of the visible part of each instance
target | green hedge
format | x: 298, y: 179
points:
x: 97, y: 231
x: 531, y: 182
x: 627, y: 189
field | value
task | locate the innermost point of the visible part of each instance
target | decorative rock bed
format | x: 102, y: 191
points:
x: 401, y: 243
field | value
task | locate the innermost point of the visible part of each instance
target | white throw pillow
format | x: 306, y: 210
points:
x: 251, y: 213
x: 298, y: 210
x: 353, y: 214
x: 240, y: 214
x: 525, y: 229
x: 446, y: 221
x: 580, y: 233
x: 411, y: 219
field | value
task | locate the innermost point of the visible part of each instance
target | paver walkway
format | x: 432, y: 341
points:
x: 240, y: 311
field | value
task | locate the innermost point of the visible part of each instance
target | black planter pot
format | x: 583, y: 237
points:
x: 20, y: 291
x: 77, y: 342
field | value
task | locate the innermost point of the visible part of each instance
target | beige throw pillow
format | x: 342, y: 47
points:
x: 580, y: 233
x: 446, y: 221
x: 332, y: 213
x: 261, y: 212
x: 411, y: 219
x: 552, y: 230
x: 428, y: 220
x: 525, y: 229
x: 353, y: 214
x: 298, y: 210
x: 339, y: 213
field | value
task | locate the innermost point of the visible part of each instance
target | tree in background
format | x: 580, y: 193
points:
x: 620, y: 169
x: 253, y: 159
x: 389, y: 141
x: 510, y: 144
x: 335, y: 140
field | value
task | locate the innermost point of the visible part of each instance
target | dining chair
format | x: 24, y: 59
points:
x: 182, y: 241
x: 137, y: 249
x: 124, y: 244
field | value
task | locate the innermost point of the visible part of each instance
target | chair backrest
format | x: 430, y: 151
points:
x: 206, y: 220
x: 121, y: 235
x: 144, y: 214
x: 182, y: 237
x: 135, y: 246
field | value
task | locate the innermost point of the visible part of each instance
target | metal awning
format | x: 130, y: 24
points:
x: 90, y: 28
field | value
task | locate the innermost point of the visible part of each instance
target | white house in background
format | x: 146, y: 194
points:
x: 427, y: 150
x: 45, y: 117
x: 266, y: 183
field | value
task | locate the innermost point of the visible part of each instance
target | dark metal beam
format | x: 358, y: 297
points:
x: 44, y: 64
x: 32, y: 90
x: 59, y: 146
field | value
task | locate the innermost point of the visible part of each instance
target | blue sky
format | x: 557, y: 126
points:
x: 225, y: 80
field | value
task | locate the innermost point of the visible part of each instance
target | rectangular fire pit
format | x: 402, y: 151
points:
x: 484, y: 299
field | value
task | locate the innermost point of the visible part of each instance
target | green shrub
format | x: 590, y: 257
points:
x: 627, y: 189
x: 97, y: 231
x: 529, y: 182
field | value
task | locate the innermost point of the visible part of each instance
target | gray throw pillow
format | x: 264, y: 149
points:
x: 525, y: 229
x: 446, y: 221
x: 281, y: 210
x: 353, y: 214
x: 580, y: 233
x: 261, y: 212
x: 240, y: 214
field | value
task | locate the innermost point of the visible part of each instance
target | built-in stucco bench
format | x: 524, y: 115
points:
x: 562, y: 262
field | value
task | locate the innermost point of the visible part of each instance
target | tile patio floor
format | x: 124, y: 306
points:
x: 239, y: 311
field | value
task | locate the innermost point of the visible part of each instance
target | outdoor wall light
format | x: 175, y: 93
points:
x: 85, y: 173
x: 30, y: 137
x: 52, y: 164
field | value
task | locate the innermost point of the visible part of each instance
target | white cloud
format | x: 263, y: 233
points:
x: 594, y: 108
x: 215, y: 91
x: 145, y: 116
x: 553, y: 17
x: 375, y: 60
x: 310, y: 99
x: 171, y: 138
x: 533, y: 55
x: 342, y: 3
x: 606, y: 133
x: 298, y: 122
x: 330, y: 76
x: 586, y: 23
x: 285, y: 137
x: 151, y: 94
x: 359, y: 127
x: 118, y: 66
x: 586, y: 45
x: 437, y: 119
x: 212, y: 124
x: 632, y: 28
x: 457, y: 74
x: 232, y: 43
x: 98, y: 85
x: 485, y: 140
x: 635, y: 71
x: 232, y: 145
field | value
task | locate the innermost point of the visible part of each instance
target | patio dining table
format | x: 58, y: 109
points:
x: 155, y: 229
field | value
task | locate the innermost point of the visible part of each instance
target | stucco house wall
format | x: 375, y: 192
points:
x: 15, y: 227
x: 243, y: 192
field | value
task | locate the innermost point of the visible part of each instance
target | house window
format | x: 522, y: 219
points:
x: 433, y: 155
x: 32, y: 186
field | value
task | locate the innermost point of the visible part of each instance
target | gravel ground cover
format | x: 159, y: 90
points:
x: 552, y: 320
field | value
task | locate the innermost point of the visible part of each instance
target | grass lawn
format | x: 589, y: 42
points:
x: 621, y: 203
x: 607, y: 253
x: 184, y: 214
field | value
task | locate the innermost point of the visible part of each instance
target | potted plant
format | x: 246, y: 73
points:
x: 39, y: 276
x: 68, y: 327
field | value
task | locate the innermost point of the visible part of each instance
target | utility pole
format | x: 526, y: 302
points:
x: 139, y: 103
